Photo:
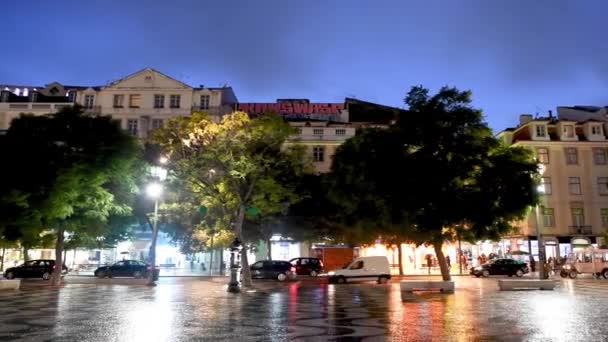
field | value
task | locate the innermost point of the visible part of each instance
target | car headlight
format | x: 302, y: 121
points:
x: 331, y: 273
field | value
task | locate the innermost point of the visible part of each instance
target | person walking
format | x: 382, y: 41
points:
x: 448, y: 261
x: 429, y: 262
x: 532, y: 264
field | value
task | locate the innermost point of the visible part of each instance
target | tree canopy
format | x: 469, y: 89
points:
x: 437, y: 168
x: 70, y: 172
x: 237, y: 167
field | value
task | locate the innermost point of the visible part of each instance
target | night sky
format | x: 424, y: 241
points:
x: 517, y: 56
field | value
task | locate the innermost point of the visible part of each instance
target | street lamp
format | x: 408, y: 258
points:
x: 154, y: 190
x: 235, y: 265
x: 540, y: 190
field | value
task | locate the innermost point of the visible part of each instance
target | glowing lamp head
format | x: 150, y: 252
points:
x: 154, y: 190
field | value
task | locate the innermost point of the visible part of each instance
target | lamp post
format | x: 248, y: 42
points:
x: 154, y: 190
x: 235, y: 265
x: 540, y: 190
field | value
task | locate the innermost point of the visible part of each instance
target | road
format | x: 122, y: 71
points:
x: 191, y: 309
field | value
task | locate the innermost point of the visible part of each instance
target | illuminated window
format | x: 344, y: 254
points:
x: 134, y: 101
x: 546, y: 183
x: 542, y: 154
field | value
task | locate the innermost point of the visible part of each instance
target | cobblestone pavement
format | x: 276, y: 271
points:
x: 309, y: 310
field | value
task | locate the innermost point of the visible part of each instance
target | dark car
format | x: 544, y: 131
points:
x: 307, y: 266
x: 42, y: 268
x: 509, y: 267
x: 273, y: 269
x: 126, y: 268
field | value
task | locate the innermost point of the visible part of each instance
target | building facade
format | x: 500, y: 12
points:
x: 141, y: 101
x: 573, y: 158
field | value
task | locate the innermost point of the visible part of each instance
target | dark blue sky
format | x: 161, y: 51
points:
x: 517, y: 56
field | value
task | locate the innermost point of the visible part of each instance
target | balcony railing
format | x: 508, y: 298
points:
x: 582, y: 230
x: 34, y: 107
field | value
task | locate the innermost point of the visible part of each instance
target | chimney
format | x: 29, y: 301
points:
x: 524, y: 119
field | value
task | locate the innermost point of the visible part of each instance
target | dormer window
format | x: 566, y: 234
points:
x: 541, y: 131
x: 596, y: 130
x: 569, y: 131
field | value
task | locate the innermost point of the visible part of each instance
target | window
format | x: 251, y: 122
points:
x: 578, y: 217
x: 35, y: 98
x: 568, y: 131
x: 204, y: 101
x: 134, y: 100
x: 571, y: 155
x: 175, y: 100
x: 317, y: 131
x: 118, y: 100
x: 340, y: 131
x: 541, y: 131
x: 546, y: 183
x: 157, y: 123
x: 318, y: 153
x: 542, y: 154
x: 599, y: 156
x: 5, y: 95
x: 88, y: 101
x: 574, y: 185
x: 596, y: 130
x: 72, y: 96
x: 132, y: 126
x: 548, y: 217
x: 602, y: 185
x: 604, y: 215
x: 159, y: 101
x: 357, y: 266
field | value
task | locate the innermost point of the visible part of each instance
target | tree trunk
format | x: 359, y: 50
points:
x: 400, y: 253
x: 2, y: 260
x: 25, y: 253
x: 238, y: 232
x: 56, y: 277
x: 445, y: 272
x: 269, y: 246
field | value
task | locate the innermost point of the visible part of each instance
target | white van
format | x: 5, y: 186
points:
x: 361, y: 269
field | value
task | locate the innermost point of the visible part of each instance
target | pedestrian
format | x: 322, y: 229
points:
x: 429, y: 262
x: 448, y: 261
x: 532, y: 264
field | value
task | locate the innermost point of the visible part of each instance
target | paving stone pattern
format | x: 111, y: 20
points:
x: 196, y: 310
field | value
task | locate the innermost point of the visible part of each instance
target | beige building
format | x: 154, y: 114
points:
x: 573, y: 156
x: 141, y: 101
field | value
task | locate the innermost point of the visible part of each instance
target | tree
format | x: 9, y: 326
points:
x: 71, y: 171
x: 437, y: 168
x: 234, y: 165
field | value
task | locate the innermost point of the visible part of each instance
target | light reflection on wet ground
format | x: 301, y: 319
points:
x: 191, y: 309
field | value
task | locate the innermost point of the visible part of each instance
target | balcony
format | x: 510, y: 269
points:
x: 33, y: 107
x: 581, y: 230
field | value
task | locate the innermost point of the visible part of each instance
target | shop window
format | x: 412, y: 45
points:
x: 542, y: 154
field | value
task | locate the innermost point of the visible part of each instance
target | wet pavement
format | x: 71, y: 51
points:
x: 200, y: 310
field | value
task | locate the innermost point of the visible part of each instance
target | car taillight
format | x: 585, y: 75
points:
x: 293, y: 269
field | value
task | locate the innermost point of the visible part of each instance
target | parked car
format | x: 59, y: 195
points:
x: 126, y: 268
x: 307, y: 266
x: 508, y: 267
x: 42, y: 268
x: 363, y: 268
x: 273, y: 269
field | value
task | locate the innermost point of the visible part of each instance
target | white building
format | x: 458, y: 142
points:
x: 141, y: 101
